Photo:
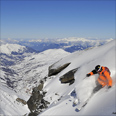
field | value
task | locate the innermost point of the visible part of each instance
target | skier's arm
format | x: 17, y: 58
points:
x: 91, y: 73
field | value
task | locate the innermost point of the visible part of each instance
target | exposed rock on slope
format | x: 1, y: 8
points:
x: 54, y: 71
x: 21, y: 101
x: 36, y: 102
x: 68, y: 77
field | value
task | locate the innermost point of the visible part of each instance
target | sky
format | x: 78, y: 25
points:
x: 58, y: 19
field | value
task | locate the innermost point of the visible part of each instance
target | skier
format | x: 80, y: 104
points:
x: 103, y: 79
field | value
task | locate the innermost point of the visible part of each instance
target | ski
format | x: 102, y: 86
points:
x: 81, y: 105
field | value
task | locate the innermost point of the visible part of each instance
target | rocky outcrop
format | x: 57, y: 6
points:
x: 21, y: 101
x: 36, y: 102
x: 54, y: 71
x: 40, y: 86
x: 68, y: 77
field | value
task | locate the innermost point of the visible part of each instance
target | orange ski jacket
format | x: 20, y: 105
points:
x: 104, y: 77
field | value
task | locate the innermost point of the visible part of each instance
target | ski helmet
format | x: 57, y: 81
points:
x: 98, y: 68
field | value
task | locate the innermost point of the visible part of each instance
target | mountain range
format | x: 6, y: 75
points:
x: 70, y: 44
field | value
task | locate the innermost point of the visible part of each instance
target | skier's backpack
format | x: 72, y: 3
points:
x: 107, y: 69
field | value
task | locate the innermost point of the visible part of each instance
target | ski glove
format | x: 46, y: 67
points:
x: 109, y: 87
x: 88, y: 75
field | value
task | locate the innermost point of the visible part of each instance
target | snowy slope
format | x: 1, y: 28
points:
x: 10, y: 54
x: 34, y: 68
x: 60, y: 96
x: 9, y: 48
x: 27, y: 74
x: 14, y: 48
x: 17, y: 81
x: 8, y: 104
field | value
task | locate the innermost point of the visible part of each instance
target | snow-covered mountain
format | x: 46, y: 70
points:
x: 70, y: 44
x: 34, y: 68
x: 9, y: 106
x: 15, y: 49
x: 19, y: 80
x: 13, y: 53
x: 102, y: 103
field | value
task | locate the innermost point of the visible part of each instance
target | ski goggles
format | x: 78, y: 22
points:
x: 100, y: 68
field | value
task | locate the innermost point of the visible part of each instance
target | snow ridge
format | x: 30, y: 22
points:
x: 9, y: 48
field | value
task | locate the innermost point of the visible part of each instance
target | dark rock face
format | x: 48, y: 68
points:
x: 68, y: 77
x: 32, y: 114
x: 40, y: 86
x: 36, y: 102
x: 53, y: 71
x: 21, y: 101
